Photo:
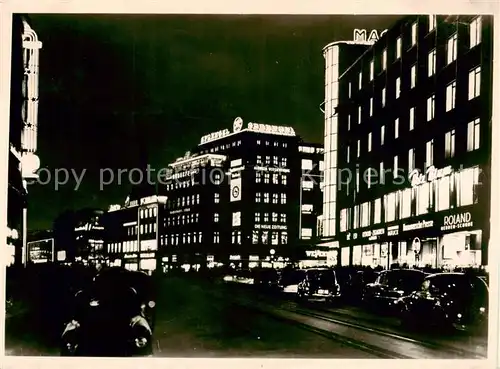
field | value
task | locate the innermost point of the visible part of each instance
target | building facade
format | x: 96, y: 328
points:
x: 23, y: 122
x: 414, y: 124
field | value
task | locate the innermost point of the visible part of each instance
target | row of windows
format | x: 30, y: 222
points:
x: 183, y: 201
x: 269, y: 237
x: 223, y: 147
x: 176, y: 220
x: 264, y: 197
x: 275, y: 143
x: 277, y: 161
x: 266, y: 178
x: 267, y: 217
x: 455, y: 190
x: 475, y: 28
x: 148, y: 213
x: 473, y: 143
x: 474, y: 83
x: 182, y: 238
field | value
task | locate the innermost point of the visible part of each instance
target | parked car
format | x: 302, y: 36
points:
x: 266, y: 278
x: 113, y: 316
x: 391, y: 285
x: 353, y: 286
x: 319, y: 284
x: 447, y: 300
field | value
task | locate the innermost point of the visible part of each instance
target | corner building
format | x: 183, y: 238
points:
x: 414, y: 131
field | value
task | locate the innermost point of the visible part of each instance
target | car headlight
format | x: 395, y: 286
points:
x: 140, y: 342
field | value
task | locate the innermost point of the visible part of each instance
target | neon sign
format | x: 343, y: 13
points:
x: 267, y: 128
x: 432, y: 173
x: 361, y: 35
x: 214, y: 136
x: 457, y: 221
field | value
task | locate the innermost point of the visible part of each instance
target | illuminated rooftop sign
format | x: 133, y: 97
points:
x: 362, y: 35
x: 215, y: 136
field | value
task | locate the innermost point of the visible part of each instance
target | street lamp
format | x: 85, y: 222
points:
x: 272, y: 252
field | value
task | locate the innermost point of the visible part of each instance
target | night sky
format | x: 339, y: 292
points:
x: 120, y: 91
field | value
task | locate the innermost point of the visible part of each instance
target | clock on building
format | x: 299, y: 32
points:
x: 236, y: 191
x: 238, y: 124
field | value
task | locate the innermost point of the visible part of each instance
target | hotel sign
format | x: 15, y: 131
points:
x: 432, y: 173
x: 214, y: 136
x: 267, y: 128
x: 362, y: 35
x: 457, y: 221
x: 272, y: 227
x: 418, y: 225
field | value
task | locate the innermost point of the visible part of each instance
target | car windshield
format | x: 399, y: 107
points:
x: 405, y: 279
x: 322, y: 276
x: 113, y: 284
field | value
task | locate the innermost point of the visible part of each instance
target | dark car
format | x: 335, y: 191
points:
x: 113, y: 316
x: 447, y: 300
x: 352, y: 289
x: 266, y: 278
x: 391, y: 285
x: 319, y: 284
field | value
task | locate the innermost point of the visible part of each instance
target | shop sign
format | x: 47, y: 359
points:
x: 114, y: 207
x: 267, y: 128
x: 149, y: 200
x: 373, y: 233
x: 362, y: 35
x: 185, y: 210
x: 457, y: 221
x: 354, y: 236
x: 234, y: 257
x: 129, y: 256
x: 237, y: 169
x: 253, y: 258
x: 431, y: 174
x: 147, y: 255
x: 418, y: 225
x: 393, y: 230
x: 271, y: 169
x: 271, y: 226
x: 214, y: 136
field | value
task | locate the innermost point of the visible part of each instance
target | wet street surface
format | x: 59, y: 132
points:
x: 214, y: 319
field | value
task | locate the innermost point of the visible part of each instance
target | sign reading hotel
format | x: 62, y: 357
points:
x: 418, y: 225
x: 431, y: 174
x: 362, y: 35
x: 457, y: 221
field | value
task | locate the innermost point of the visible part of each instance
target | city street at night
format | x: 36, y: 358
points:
x: 197, y: 318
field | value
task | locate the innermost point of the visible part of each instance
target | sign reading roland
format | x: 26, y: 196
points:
x: 363, y: 35
x: 457, y: 221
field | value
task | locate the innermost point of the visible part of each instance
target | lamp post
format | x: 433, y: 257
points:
x: 272, y: 252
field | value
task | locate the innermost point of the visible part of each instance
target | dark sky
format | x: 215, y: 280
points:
x: 118, y: 88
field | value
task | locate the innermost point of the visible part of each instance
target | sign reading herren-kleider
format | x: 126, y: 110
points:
x: 457, y: 221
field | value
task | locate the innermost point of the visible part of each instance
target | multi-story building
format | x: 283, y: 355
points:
x: 132, y: 233
x: 22, y: 132
x: 339, y: 56
x: 414, y: 135
x: 248, y: 212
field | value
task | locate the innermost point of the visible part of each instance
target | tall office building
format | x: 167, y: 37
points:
x: 414, y: 130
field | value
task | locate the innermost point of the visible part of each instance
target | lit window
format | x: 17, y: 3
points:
x: 356, y: 217
x: 432, y: 22
x: 381, y: 173
x: 390, y: 207
x: 307, y: 208
x: 255, y: 237
x: 258, y: 197
x: 443, y: 194
x: 372, y: 70
x: 283, y: 198
x: 371, y: 106
x: 237, y: 218
x: 382, y: 135
x: 451, y: 94
x: 259, y: 160
x: 268, y: 160
x: 395, y: 167
x: 414, y: 33
x: 360, y: 80
x: 216, y: 237
x: 405, y: 204
x: 475, y: 32
x: 266, y: 217
x: 473, y: 135
x: 307, y: 164
x: 275, y: 159
x: 383, y: 97
x: 429, y: 153
x: 284, y: 238
x: 423, y: 198
x: 266, y: 197
x: 283, y: 162
x: 275, y: 198
x: 257, y: 217
x: 398, y: 87
x: 321, y: 165
x: 350, y: 89
x: 274, y: 238
x: 275, y: 217
x: 216, y: 217
x: 359, y: 148
x: 412, y: 119
x: 431, y: 107
x: 411, y: 159
x: 357, y: 181
x: 283, y: 179
x: 413, y: 78
x: 451, y: 49
x: 384, y: 59
x: 306, y: 233
x: 343, y: 220
x: 398, y: 47
x: 283, y: 217
x: 275, y: 178
x: 396, y: 128
x: 348, y: 122
x: 377, y: 211
x: 266, y: 177
x: 431, y: 63
x: 468, y: 186
x: 348, y: 154
x: 369, y: 142
x: 359, y: 114
x: 365, y: 214
x: 474, y: 82
x: 449, y: 144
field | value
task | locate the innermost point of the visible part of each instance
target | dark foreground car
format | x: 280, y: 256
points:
x: 289, y: 280
x: 113, y: 316
x: 389, y: 286
x: 447, y: 301
x: 319, y: 284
